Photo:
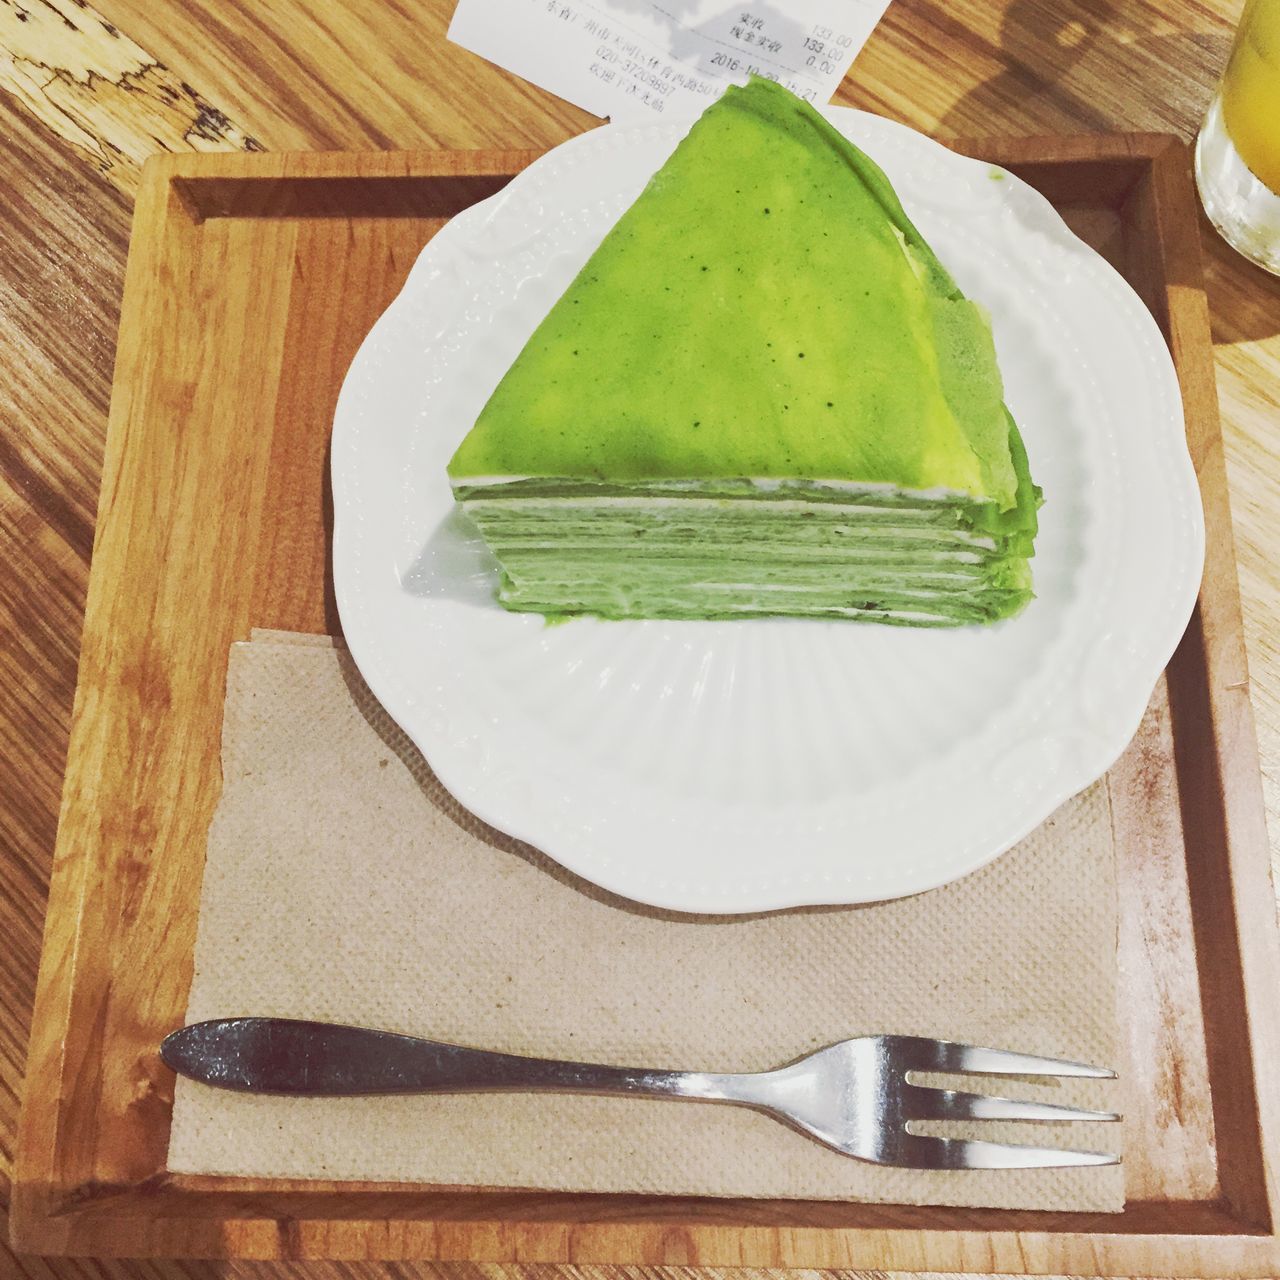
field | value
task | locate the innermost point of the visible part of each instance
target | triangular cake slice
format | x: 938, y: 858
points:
x: 763, y: 394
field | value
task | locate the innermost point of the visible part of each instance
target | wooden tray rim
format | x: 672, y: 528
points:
x: 44, y: 1214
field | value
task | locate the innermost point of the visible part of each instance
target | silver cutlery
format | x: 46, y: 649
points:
x: 857, y: 1096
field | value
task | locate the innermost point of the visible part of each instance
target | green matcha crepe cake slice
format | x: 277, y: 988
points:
x: 763, y: 394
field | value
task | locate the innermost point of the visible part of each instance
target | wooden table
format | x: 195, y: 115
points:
x: 91, y: 92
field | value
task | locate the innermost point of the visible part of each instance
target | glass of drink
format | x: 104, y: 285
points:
x: 1238, y: 151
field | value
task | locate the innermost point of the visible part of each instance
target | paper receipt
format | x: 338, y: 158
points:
x: 641, y: 59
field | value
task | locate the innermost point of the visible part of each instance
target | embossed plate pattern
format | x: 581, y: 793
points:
x: 741, y: 766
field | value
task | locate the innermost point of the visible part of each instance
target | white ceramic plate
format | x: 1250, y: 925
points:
x: 742, y: 766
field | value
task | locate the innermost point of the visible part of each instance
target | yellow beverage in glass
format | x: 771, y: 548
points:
x: 1251, y: 91
x: 1238, y: 152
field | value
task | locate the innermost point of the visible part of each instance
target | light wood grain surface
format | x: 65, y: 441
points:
x: 89, y: 93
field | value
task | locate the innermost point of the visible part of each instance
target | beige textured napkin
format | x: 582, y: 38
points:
x: 344, y: 883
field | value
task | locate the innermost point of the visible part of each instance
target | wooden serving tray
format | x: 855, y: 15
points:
x: 251, y: 281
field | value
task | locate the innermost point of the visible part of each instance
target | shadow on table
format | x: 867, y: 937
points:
x: 1102, y: 65
x: 1091, y: 66
x: 1244, y: 300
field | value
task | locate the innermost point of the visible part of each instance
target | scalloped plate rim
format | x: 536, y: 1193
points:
x: 607, y: 872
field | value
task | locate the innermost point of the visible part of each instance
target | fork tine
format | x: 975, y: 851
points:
x: 917, y: 1053
x: 923, y: 1103
x: 957, y: 1153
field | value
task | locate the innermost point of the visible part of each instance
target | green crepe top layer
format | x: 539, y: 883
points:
x: 764, y: 310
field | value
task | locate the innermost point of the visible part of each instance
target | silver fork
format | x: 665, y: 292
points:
x: 856, y: 1096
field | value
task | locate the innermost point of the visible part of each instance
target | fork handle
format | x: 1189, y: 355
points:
x: 320, y: 1059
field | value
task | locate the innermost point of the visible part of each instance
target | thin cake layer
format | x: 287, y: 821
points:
x: 763, y: 353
